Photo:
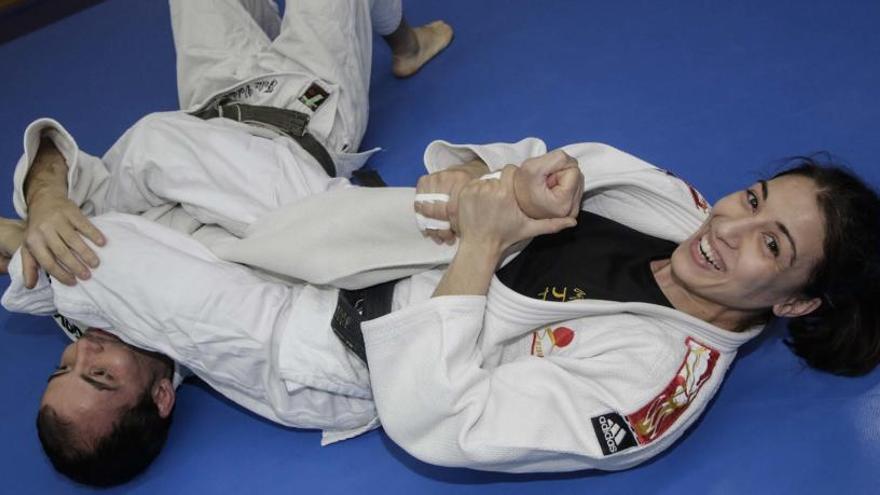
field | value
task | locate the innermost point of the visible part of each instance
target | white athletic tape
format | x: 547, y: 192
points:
x: 432, y: 198
x: 426, y: 223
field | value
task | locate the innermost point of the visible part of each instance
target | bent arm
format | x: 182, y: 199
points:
x: 53, y: 180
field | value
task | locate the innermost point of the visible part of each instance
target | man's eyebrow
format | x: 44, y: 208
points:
x: 95, y: 383
x: 56, y: 374
x: 782, y: 228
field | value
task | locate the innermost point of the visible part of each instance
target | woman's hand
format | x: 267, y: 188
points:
x: 489, y: 214
x: 489, y: 222
x: 446, y: 184
x: 549, y: 186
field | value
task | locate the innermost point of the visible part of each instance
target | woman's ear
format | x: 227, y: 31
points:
x: 795, y: 307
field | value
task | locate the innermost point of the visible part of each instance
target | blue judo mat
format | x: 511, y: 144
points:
x: 715, y: 91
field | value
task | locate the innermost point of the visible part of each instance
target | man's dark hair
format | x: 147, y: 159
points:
x: 136, y: 438
x: 843, y: 335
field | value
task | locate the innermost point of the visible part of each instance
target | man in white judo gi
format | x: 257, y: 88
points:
x: 238, y: 61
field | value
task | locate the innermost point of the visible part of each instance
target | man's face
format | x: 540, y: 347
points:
x: 758, y: 247
x: 98, y: 377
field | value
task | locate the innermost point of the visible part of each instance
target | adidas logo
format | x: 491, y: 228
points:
x: 613, y: 433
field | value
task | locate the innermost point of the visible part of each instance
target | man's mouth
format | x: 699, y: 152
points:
x: 98, y: 334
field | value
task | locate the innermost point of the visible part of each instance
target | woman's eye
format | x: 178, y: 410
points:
x: 772, y: 245
x: 753, y: 199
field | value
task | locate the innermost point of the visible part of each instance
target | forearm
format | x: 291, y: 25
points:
x: 471, y: 270
x: 55, y: 219
x: 47, y: 176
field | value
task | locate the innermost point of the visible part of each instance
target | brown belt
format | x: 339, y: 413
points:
x: 288, y: 122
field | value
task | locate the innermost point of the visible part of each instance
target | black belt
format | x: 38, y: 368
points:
x: 289, y: 122
x: 357, y: 306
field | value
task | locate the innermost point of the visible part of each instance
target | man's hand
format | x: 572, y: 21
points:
x: 549, y: 186
x: 447, y: 182
x: 53, y: 240
x: 11, y: 235
x: 53, y: 237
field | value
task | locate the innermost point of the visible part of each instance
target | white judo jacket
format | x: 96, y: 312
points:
x: 158, y: 288
x: 507, y: 382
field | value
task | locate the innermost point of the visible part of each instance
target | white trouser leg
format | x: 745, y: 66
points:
x: 333, y: 39
x: 386, y: 16
x: 216, y: 43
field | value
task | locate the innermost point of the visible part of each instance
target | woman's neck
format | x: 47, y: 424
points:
x: 688, y: 302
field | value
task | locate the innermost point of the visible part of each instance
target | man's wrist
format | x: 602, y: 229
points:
x: 42, y: 193
x: 47, y: 177
x: 474, y: 168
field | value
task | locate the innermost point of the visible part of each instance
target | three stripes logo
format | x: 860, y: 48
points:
x: 613, y: 433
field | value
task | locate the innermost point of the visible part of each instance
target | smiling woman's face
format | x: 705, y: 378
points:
x: 757, y: 249
x: 98, y: 377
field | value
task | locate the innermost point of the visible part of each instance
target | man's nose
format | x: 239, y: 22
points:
x: 86, y: 347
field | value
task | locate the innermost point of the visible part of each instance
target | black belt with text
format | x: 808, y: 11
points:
x: 357, y: 306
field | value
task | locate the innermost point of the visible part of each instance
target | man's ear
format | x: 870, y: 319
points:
x: 795, y: 307
x: 163, y: 395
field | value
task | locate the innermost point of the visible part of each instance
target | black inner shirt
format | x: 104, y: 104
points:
x: 597, y: 259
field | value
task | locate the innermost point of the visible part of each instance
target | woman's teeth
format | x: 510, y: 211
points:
x: 708, y: 253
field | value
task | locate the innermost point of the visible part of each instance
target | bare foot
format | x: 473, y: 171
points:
x: 430, y: 39
x: 11, y: 235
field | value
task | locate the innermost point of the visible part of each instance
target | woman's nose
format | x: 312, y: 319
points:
x: 731, y: 230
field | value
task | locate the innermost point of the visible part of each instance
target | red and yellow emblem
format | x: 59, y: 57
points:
x: 649, y: 422
x: 544, y: 341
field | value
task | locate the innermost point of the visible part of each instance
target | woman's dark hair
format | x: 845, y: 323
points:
x: 137, y: 437
x: 843, y: 335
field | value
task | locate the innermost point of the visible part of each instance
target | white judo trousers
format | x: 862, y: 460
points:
x: 243, y: 49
